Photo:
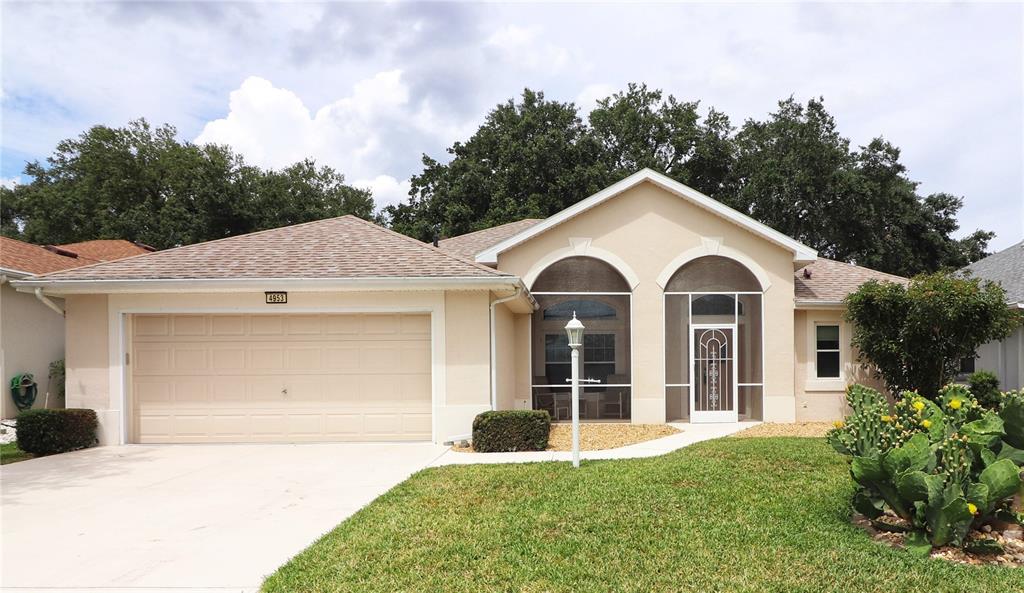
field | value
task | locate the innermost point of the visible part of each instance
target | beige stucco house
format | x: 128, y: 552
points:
x: 343, y: 330
x: 31, y: 330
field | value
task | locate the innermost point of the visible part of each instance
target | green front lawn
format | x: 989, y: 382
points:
x: 751, y: 515
x: 9, y: 453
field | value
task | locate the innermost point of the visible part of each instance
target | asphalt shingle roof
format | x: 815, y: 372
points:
x: 105, y: 249
x: 1005, y: 267
x: 343, y: 247
x: 470, y: 244
x: 832, y: 281
x: 19, y: 256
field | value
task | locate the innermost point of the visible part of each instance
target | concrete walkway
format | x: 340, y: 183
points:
x: 691, y: 433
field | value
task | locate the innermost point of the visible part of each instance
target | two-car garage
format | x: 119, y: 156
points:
x: 199, y: 378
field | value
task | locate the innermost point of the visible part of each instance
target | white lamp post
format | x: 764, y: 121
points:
x: 575, y: 331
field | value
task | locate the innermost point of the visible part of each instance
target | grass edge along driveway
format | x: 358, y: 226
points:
x: 743, y: 515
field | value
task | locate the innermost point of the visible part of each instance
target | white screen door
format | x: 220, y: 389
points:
x: 713, y: 360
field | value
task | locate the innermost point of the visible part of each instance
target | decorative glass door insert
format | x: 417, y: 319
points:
x: 713, y: 360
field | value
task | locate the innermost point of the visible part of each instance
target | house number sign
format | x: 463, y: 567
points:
x: 276, y: 298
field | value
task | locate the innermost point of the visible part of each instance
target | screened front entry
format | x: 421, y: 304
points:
x: 600, y: 298
x: 713, y: 342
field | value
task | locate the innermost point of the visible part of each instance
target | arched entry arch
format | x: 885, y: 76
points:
x: 601, y: 297
x: 714, y: 328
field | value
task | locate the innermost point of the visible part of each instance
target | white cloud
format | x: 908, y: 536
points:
x: 387, y: 191
x: 525, y: 47
x: 370, y: 87
x: 9, y: 182
x: 591, y: 94
x: 273, y: 127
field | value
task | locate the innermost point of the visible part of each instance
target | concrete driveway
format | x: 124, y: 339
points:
x: 183, y: 517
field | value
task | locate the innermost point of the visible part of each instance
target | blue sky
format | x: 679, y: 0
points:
x: 368, y: 88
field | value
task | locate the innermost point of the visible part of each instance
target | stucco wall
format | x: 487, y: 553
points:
x: 31, y: 337
x: 1006, y: 359
x: 87, y: 362
x: 505, y: 357
x: 460, y: 348
x: 643, y: 231
x: 824, y: 399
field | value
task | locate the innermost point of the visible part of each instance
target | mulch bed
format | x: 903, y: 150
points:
x: 1009, y: 537
x: 796, y: 429
x: 599, y: 436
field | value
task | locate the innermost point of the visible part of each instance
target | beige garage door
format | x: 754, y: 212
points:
x: 280, y: 378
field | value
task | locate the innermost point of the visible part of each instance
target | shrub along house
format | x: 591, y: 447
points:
x: 342, y: 330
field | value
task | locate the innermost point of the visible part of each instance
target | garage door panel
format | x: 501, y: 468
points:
x: 415, y: 359
x: 265, y: 358
x: 266, y: 325
x: 188, y: 325
x: 343, y: 325
x: 189, y: 358
x: 190, y: 391
x: 228, y: 358
x: 228, y: 390
x: 302, y: 325
x: 152, y: 358
x: 227, y: 325
x: 152, y: 325
x: 299, y: 358
x: 280, y: 378
x: 415, y: 325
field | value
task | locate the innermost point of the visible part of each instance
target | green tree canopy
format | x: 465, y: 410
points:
x: 529, y: 159
x: 140, y: 183
x: 793, y: 171
x: 915, y: 336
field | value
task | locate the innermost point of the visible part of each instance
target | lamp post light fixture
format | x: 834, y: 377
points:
x: 575, y: 331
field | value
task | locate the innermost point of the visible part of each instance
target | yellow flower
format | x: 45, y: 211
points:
x: 918, y: 405
x: 886, y: 418
x: 972, y: 508
x: 838, y: 424
x: 955, y: 404
x: 926, y: 423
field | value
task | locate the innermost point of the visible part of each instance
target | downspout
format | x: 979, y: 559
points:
x: 46, y: 301
x: 494, y: 346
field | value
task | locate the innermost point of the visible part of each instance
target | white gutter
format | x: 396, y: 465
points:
x: 261, y: 284
x: 494, y: 345
x: 46, y: 301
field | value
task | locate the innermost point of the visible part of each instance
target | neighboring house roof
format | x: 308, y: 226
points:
x: 828, y: 282
x: 801, y: 252
x: 343, y: 248
x: 26, y: 259
x: 470, y: 244
x: 1005, y: 267
x: 106, y: 249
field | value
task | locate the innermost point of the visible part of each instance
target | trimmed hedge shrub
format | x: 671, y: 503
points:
x: 984, y: 385
x: 44, y: 432
x: 511, y: 430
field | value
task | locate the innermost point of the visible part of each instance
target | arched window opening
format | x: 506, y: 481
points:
x: 600, y: 297
x: 718, y: 297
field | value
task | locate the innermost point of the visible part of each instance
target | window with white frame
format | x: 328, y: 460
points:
x: 826, y: 351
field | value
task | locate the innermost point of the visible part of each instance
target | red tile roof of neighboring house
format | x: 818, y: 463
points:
x: 18, y: 256
x: 470, y: 244
x: 830, y: 281
x: 335, y: 248
x: 106, y: 249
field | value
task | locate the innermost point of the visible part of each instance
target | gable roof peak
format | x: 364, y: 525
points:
x: 801, y: 252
